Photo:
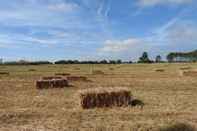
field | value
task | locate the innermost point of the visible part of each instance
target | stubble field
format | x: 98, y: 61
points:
x: 170, y: 98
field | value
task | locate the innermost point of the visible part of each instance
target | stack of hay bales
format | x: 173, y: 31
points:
x: 101, y: 97
x: 98, y: 72
x: 52, y: 82
x: 77, y: 78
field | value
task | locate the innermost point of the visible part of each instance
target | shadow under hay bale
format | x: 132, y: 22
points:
x: 98, y: 72
x: 4, y: 73
x: 77, y: 78
x: 137, y: 102
x: 62, y: 74
x: 101, y: 98
x: 32, y: 70
x: 52, y: 83
x: 178, y: 127
x: 159, y: 70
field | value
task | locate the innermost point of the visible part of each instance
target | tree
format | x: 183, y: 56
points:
x: 144, y: 58
x: 158, y: 59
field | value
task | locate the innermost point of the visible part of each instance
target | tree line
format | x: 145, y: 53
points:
x: 171, y: 57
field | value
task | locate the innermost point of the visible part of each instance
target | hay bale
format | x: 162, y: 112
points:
x: 54, y: 83
x: 185, y: 68
x: 62, y: 74
x: 101, y: 97
x: 4, y: 73
x: 98, y: 72
x: 189, y: 73
x: 51, y: 77
x: 77, y: 78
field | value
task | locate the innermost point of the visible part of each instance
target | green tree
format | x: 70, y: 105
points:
x: 144, y: 58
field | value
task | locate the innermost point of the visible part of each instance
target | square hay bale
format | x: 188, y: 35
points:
x: 77, y: 78
x: 105, y: 97
x: 98, y: 72
x: 62, y: 74
x: 189, y: 73
x: 54, y: 83
x: 185, y: 68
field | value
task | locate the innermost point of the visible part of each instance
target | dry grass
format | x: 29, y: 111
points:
x: 168, y: 99
x: 77, y: 78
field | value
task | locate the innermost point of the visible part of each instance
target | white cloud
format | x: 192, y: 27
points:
x: 65, y: 7
x: 119, y: 46
x: 147, y: 3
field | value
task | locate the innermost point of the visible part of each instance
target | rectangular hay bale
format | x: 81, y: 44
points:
x: 55, y: 83
x: 190, y: 73
x: 109, y: 97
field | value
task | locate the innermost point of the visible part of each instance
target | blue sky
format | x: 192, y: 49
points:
x: 95, y: 29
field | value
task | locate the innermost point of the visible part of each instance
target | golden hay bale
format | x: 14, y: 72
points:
x: 55, y: 83
x: 100, y: 97
x: 77, y: 78
x: 189, y: 73
x: 62, y: 74
x: 51, y: 77
x: 185, y: 68
x: 98, y: 72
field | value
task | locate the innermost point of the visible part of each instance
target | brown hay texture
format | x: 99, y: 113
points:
x: 98, y: 72
x: 77, y: 78
x: 189, y: 73
x: 101, y: 97
x: 62, y: 74
x: 51, y: 77
x: 185, y: 68
x: 54, y: 83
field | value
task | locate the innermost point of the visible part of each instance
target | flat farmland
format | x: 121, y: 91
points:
x: 170, y: 97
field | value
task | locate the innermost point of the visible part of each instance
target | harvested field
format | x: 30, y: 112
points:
x: 169, y: 99
x: 101, y: 97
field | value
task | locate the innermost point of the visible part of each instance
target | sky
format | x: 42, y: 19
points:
x: 96, y: 29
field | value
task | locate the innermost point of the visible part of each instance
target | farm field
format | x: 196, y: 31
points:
x: 169, y: 96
